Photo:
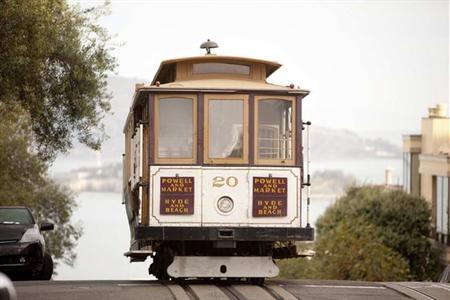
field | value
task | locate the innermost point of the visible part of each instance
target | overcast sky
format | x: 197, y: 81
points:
x: 370, y: 65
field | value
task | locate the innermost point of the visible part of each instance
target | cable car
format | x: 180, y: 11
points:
x: 213, y: 169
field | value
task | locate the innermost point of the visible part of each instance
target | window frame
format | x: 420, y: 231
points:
x: 245, y: 133
x: 280, y: 162
x: 407, y: 170
x: 442, y: 204
x: 175, y: 160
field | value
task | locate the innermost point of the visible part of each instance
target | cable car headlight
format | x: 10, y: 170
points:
x: 225, y: 204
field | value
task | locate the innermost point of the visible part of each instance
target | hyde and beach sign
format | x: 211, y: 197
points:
x: 177, y: 196
x: 269, y: 197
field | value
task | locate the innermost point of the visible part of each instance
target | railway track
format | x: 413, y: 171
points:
x: 197, y: 290
x: 227, y: 291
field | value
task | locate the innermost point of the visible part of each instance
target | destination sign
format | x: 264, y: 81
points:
x: 177, y: 196
x: 269, y: 197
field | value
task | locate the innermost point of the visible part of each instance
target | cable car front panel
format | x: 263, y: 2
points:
x: 224, y: 196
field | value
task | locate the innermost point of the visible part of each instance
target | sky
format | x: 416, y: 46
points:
x: 370, y: 65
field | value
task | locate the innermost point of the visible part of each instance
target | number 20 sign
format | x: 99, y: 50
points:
x: 220, y: 181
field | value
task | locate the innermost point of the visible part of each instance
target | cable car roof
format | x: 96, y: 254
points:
x: 167, y: 67
x: 227, y: 84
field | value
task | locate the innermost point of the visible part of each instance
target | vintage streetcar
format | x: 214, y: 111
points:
x: 213, y: 169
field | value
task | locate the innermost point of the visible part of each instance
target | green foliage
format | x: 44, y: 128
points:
x: 23, y: 181
x: 356, y: 252
x: 403, y: 221
x: 348, y: 252
x: 55, y: 204
x: 370, y: 234
x: 54, y: 62
x: 305, y: 267
x: 294, y: 268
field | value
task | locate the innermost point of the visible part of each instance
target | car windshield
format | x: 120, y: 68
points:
x: 15, y: 216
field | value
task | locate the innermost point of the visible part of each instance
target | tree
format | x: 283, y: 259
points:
x: 356, y: 252
x: 401, y: 220
x: 304, y: 268
x: 348, y: 252
x: 54, y: 60
x: 23, y: 181
x: 371, y: 234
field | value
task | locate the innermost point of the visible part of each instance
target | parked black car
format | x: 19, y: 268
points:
x: 22, y: 246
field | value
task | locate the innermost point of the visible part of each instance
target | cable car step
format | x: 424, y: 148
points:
x: 138, y: 255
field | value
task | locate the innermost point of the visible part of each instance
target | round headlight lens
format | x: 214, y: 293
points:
x: 225, y: 204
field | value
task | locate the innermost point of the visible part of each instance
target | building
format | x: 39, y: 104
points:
x: 426, y: 172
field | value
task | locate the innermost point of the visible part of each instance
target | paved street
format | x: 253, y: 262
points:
x: 273, y: 289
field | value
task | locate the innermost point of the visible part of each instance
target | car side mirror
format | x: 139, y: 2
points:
x: 46, y: 226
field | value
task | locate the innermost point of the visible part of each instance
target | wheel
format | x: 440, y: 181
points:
x: 47, y: 268
x: 256, y: 280
x: 159, y: 267
x: 161, y: 262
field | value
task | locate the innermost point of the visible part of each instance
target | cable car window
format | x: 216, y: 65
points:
x: 226, y: 122
x: 220, y: 68
x: 225, y: 127
x: 275, y: 136
x: 175, y: 124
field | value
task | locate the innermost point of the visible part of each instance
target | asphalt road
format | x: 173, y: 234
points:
x: 273, y: 289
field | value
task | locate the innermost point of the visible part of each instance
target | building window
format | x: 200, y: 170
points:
x: 175, y: 118
x: 226, y: 129
x: 407, y: 172
x: 442, y: 201
x: 275, y: 130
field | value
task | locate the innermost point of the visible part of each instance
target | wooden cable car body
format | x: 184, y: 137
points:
x: 213, y: 169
